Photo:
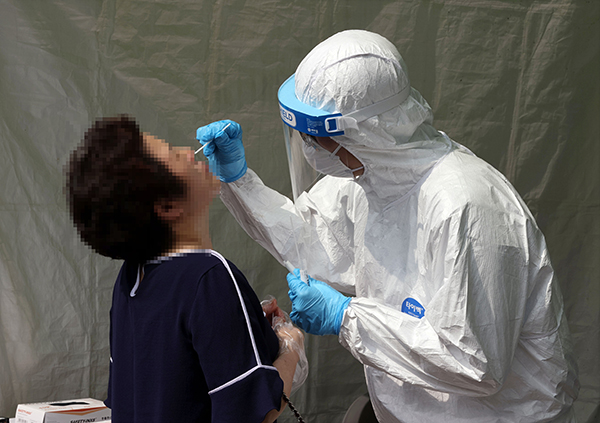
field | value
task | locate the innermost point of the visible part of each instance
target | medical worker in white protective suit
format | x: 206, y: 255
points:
x: 449, y: 298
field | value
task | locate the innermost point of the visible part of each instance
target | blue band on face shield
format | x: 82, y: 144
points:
x: 313, y: 121
x: 305, y: 118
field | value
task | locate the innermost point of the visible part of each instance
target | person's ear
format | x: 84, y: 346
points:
x: 168, y: 210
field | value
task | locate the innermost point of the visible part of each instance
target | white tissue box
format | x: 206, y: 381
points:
x: 85, y: 410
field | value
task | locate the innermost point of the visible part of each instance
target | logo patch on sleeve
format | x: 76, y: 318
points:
x: 413, y: 308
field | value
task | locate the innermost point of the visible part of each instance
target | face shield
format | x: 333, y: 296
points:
x: 302, y: 175
x: 300, y: 118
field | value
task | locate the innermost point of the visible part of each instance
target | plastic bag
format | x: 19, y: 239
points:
x: 281, y: 323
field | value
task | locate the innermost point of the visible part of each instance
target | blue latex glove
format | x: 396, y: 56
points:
x: 317, y: 308
x: 225, y: 151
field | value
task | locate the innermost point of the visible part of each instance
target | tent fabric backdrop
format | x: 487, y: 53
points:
x: 515, y: 81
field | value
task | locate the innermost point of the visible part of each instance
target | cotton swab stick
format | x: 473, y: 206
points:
x: 201, y: 148
x: 302, y: 263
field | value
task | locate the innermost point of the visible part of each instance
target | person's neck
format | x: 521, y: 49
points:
x: 192, y: 236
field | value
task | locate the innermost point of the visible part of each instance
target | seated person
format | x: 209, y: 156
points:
x: 189, y: 339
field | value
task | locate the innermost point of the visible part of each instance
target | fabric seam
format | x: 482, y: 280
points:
x: 241, y: 377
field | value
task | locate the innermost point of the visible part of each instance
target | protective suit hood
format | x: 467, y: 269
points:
x: 352, y: 70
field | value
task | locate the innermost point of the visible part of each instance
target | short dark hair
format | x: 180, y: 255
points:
x: 113, y: 184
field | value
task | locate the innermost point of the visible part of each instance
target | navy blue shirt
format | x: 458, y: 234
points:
x: 190, y: 343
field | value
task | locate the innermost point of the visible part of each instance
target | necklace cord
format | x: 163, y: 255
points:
x: 296, y: 413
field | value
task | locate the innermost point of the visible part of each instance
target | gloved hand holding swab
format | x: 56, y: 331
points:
x: 218, y: 135
x: 225, y: 154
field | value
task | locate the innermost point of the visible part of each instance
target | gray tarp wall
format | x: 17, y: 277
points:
x: 515, y: 81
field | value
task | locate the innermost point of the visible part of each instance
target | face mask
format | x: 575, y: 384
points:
x: 325, y: 162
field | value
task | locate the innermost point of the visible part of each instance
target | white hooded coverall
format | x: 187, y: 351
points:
x: 486, y: 339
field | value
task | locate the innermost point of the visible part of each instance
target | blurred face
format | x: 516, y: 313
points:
x: 202, y: 185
